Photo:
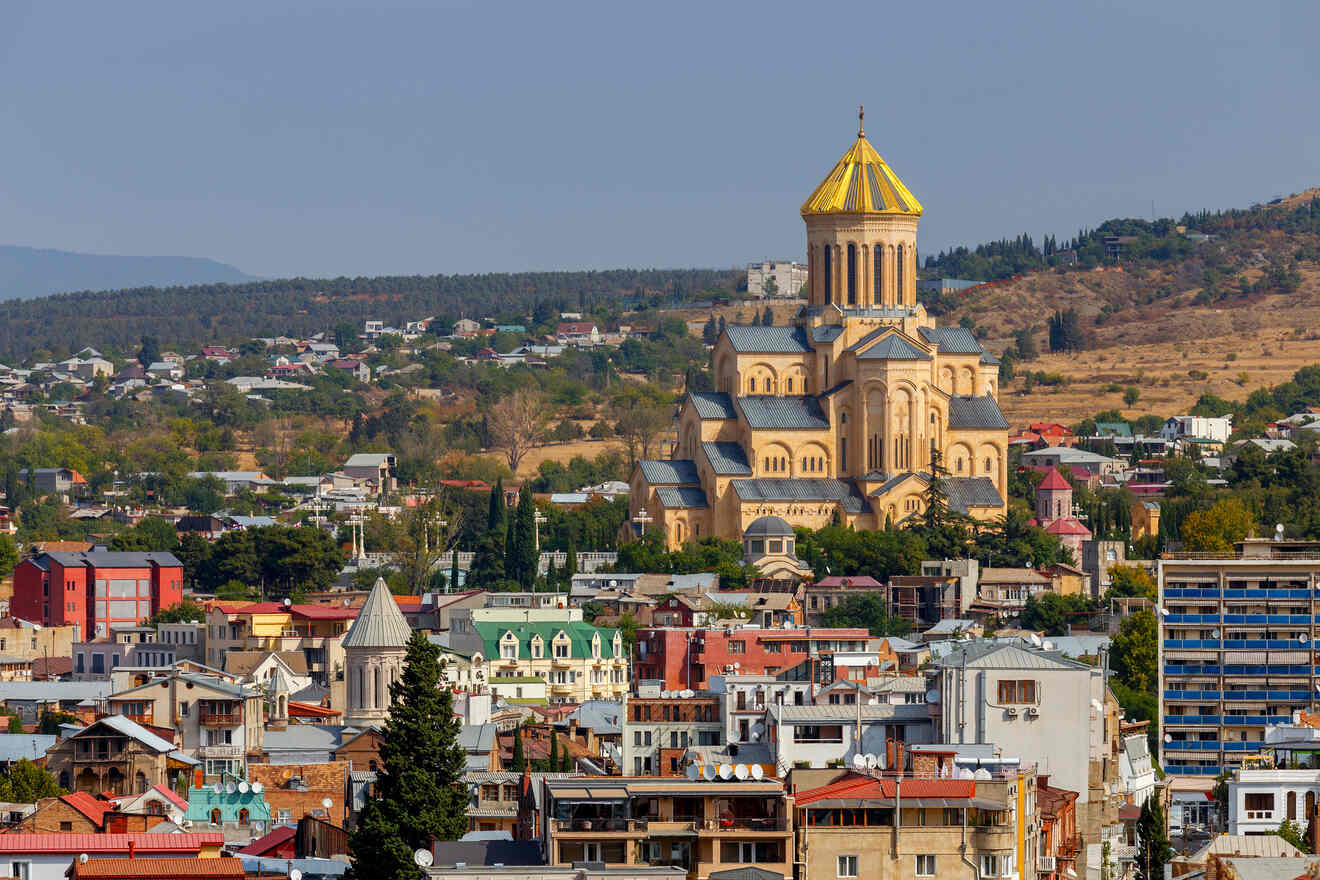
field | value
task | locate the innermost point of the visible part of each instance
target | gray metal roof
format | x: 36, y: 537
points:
x: 967, y: 492
x: 988, y: 358
x: 887, y: 343
x: 952, y: 340
x: 771, y: 340
x: 826, y: 332
x: 133, y: 730
x: 477, y: 738
x: 782, y: 412
x: 678, y: 497
x: 301, y: 738
x: 726, y: 459
x: 984, y: 654
x: 768, y: 527
x: 713, y: 405
x: 876, y: 712
x: 53, y: 691
x: 107, y: 559
x: 380, y: 623
x: 669, y: 472
x: 801, y: 489
x: 976, y: 412
x: 16, y: 746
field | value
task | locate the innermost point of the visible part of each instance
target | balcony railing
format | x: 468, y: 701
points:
x: 221, y: 719
x: 220, y: 751
x: 763, y: 823
x: 94, y: 756
x: 594, y: 825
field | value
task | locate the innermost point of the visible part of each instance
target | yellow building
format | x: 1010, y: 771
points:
x: 841, y: 412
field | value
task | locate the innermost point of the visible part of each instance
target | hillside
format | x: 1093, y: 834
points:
x: 31, y: 272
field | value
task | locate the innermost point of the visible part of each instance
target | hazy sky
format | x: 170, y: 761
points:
x: 376, y: 137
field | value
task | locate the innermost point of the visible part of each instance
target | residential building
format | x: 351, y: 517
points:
x: 580, y: 661
x: 376, y: 468
x: 1099, y: 556
x: 868, y: 825
x: 41, y: 856
x: 747, y: 696
x: 237, y: 482
x: 784, y: 278
x: 831, y: 735
x: 218, y: 721
x: 1198, y: 428
x: 1145, y: 519
x: 657, y: 731
x: 1060, y: 844
x: 1135, y: 769
x: 684, y: 658
x: 294, y: 791
x: 1234, y: 651
x: 64, y: 482
x: 117, y: 755
x: 95, y: 590
x: 836, y: 414
x: 834, y: 590
x: 1003, y: 592
x: 315, y: 630
x: 702, y: 827
x: 234, y: 807
x: 21, y: 638
x: 581, y: 334
x: 1067, y: 456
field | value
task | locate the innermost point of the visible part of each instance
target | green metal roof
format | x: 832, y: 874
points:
x: 579, y: 635
x: 201, y: 801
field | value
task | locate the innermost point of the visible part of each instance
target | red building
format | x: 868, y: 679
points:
x: 685, y: 657
x: 95, y: 590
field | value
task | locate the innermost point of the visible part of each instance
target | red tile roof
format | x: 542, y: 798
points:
x: 311, y: 710
x: 171, y: 797
x: 45, y: 842
x: 1068, y: 526
x: 1054, y: 480
x: 860, y: 787
x: 269, y: 842
x: 114, y: 869
x: 90, y: 806
x: 323, y: 612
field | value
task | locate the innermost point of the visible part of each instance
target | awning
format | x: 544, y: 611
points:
x: 1175, y: 654
x: 1254, y: 657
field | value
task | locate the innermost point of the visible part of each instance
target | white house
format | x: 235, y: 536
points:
x: 1198, y: 428
x: 1260, y: 800
x: 819, y: 735
x: 1066, y: 456
x: 1135, y: 769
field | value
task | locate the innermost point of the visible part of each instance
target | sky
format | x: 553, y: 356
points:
x: 370, y: 138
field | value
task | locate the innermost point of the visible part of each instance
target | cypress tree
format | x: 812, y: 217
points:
x: 553, y: 756
x: 519, y: 758
x: 1153, y: 847
x: 418, y: 796
x: 495, y: 514
x: 522, y: 557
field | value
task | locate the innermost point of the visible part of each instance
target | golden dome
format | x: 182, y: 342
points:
x: 861, y: 183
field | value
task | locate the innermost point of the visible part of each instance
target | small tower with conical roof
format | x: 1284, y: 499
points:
x: 374, y: 649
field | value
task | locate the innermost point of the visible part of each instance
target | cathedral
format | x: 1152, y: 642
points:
x: 841, y: 414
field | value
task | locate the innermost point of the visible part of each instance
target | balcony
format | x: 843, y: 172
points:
x: 598, y: 825
x: 561, y: 687
x: 220, y: 751
x: 772, y: 824
x: 220, y: 719
x: 96, y: 757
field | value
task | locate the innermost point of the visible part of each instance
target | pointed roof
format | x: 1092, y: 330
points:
x: 1054, y: 481
x: 861, y: 183
x: 380, y: 623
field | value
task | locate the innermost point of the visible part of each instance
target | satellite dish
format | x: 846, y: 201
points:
x: 243, y: 787
x: 688, y: 693
x: 708, y: 772
x: 1214, y: 633
x: 1168, y: 737
x: 288, y: 603
x: 1049, y: 646
x: 964, y: 773
x: 737, y: 665
x: 423, y: 858
x: 82, y: 858
x: 693, y: 771
x: 879, y: 760
x: 741, y: 772
x: 327, y: 803
x: 1303, y: 638
x: 932, y: 696
x: 217, y: 788
x: 859, y: 760
x: 758, y: 772
x: 1278, y: 532
x: 726, y: 771
x: 295, y: 874
x: 1035, y: 640
x: 257, y: 787
x: 982, y: 774
x: 229, y: 788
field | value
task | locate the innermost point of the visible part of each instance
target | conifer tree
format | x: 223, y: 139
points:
x: 553, y: 756
x: 495, y: 515
x: 1153, y: 847
x: 418, y: 796
x: 768, y: 317
x: 522, y: 558
x: 519, y: 757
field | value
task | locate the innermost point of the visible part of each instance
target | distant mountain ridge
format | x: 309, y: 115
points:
x: 27, y: 272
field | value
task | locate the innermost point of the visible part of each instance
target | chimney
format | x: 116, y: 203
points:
x: 131, y: 849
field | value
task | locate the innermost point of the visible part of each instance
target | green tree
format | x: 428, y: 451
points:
x: 1131, y: 580
x: 768, y: 317
x: 8, y: 554
x: 1216, y: 530
x: 15, y: 724
x: 1133, y: 652
x: 26, y: 783
x: 180, y: 612
x: 519, y: 758
x: 419, y: 795
x: 1153, y: 847
x: 522, y: 562
x: 1131, y: 395
x: 50, y: 722
x: 868, y: 610
x: 149, y: 353
x: 1292, y: 832
x: 1052, y: 613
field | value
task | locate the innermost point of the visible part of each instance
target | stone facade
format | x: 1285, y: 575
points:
x: 843, y: 413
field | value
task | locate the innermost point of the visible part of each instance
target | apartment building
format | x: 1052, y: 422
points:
x: 659, y: 730
x: 825, y: 736
x: 1236, y: 651
x: 907, y: 828
x: 96, y: 590
x: 216, y: 720
x: 702, y: 827
x: 317, y: 631
x: 686, y: 658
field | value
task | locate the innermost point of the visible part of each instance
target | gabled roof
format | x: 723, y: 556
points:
x: 1054, y: 481
x: 952, y: 340
x: 671, y: 472
x: 579, y: 635
x: 133, y: 730
x: 993, y: 655
x: 966, y: 492
x: 893, y: 347
x: 379, y: 623
x: 976, y: 412
x: 713, y: 405
x: 726, y: 459
x: 855, y: 786
x: 89, y: 805
x: 143, y: 843
x: 766, y: 412
x: 748, y: 339
x: 679, y: 497
x: 270, y: 842
x: 801, y: 489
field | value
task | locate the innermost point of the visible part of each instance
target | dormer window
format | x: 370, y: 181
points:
x: 538, y: 648
x: 509, y: 647
x: 595, y: 645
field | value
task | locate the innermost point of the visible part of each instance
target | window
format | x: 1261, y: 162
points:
x: 774, y: 647
x: 285, y: 816
x: 829, y: 276
x: 243, y: 817
x: 66, y: 826
x: 926, y: 866
x: 1017, y: 692
x: 20, y: 870
x: 215, y: 817
x: 852, y: 274
x: 561, y: 649
x: 737, y: 646
x: 509, y: 650
x: 1260, y: 805
x: 847, y: 866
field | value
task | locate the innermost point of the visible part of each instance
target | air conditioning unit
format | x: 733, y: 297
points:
x: 1010, y: 712
x: 1033, y: 712
x: 1048, y: 863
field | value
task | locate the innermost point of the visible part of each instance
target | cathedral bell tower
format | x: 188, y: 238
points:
x: 862, y: 234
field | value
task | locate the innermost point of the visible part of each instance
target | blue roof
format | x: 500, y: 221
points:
x: 975, y: 412
x: 727, y: 459
x: 16, y: 746
x: 826, y: 333
x: 675, y: 497
x: 801, y: 489
x: 965, y: 492
x: 713, y: 405
x: 952, y: 340
x: 770, y: 340
x: 672, y: 472
x: 782, y: 412
x: 892, y: 347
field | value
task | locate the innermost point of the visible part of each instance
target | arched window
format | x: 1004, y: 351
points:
x: 678, y: 532
x: 901, y: 288
x: 987, y: 465
x: 243, y: 816
x: 829, y: 276
x: 879, y: 285
x: 790, y: 386
x: 751, y: 386
x: 960, y: 464
x: 215, y: 817
x: 852, y: 274
x: 1292, y: 805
